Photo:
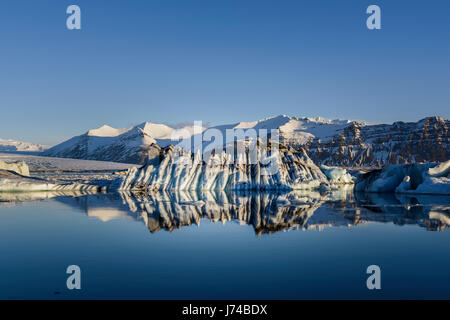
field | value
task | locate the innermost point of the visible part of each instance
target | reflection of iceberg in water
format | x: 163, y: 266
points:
x: 431, y: 212
x: 267, y: 212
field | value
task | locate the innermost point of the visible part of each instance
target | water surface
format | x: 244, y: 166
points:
x: 217, y: 245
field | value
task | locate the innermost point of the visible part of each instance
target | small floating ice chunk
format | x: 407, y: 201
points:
x: 336, y: 174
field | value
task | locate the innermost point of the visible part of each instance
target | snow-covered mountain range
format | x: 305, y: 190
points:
x: 133, y: 145
x: 330, y: 142
x: 19, y: 146
x: 377, y: 145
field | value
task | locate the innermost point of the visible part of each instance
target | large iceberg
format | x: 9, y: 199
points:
x: 417, y: 178
x: 289, y: 169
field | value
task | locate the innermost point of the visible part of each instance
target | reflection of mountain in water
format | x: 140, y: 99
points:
x: 11, y: 198
x: 267, y: 212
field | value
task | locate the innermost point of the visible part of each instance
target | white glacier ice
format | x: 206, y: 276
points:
x: 292, y: 170
x: 49, y: 164
x: 337, y: 175
x: 19, y: 167
x: 14, y: 177
x: 13, y: 182
x: 430, y: 178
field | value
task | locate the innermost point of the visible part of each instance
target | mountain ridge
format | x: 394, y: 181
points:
x: 330, y: 142
x: 10, y: 145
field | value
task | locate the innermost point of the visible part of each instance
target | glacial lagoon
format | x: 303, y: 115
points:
x: 218, y: 245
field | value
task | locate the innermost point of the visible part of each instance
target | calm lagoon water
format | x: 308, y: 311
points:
x: 224, y: 246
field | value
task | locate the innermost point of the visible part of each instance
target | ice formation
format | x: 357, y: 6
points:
x: 13, y: 182
x: 430, y: 178
x: 18, y: 167
x: 291, y: 170
x: 49, y: 164
x: 337, y: 175
x: 14, y: 177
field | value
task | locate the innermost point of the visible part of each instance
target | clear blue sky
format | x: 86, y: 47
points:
x: 218, y: 61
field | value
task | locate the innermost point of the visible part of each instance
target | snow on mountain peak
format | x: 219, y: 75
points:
x: 123, y: 145
x: 156, y: 130
x: 106, y: 131
x: 161, y: 131
x: 332, y: 142
x: 14, y: 146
